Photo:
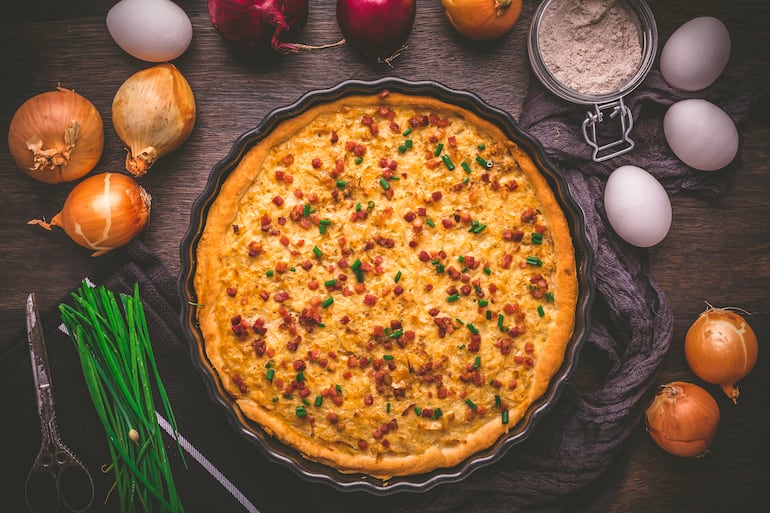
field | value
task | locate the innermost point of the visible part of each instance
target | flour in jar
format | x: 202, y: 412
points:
x: 590, y: 46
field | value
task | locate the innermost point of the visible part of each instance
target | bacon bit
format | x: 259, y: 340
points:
x: 513, y: 236
x: 299, y: 365
x: 260, y: 346
x: 363, y: 444
x: 538, y: 287
x: 287, y: 161
x: 281, y: 296
x: 540, y: 228
x: 334, y: 137
x: 370, y: 300
x: 512, y: 185
x: 232, y: 291
x: 255, y: 248
x: 507, y: 260
x: 368, y: 400
x: 470, y: 262
x: 424, y: 256
x: 444, y: 325
x: 316, y: 163
x: 240, y: 383
x: 436, y: 196
x: 264, y: 295
x: 504, y: 345
x: 529, y: 215
x: 475, y: 344
x: 293, y: 344
x: 447, y: 223
x: 398, y: 290
x: 332, y: 417
x: 281, y: 267
x: 416, y: 122
x: 236, y: 229
x: 394, y: 127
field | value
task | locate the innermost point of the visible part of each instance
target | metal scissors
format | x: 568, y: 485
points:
x: 57, y: 476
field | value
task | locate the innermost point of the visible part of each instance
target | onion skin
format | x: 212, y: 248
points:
x: 482, y: 20
x: 103, y: 212
x: 721, y: 348
x: 56, y: 136
x: 682, y: 419
x: 259, y: 23
x: 376, y: 29
x: 153, y: 113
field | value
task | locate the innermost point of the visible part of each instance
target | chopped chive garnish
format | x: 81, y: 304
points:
x: 270, y: 374
x: 330, y: 283
x: 387, y: 407
x: 407, y: 132
x: 500, y: 320
x: 549, y: 297
x: 317, y: 252
x: 537, y: 238
x: 325, y: 222
x: 466, y: 167
x: 396, y: 334
x: 269, y: 273
x: 437, y: 413
x: 481, y: 147
x: 275, y: 399
x: 397, y: 277
x: 483, y: 302
x: 473, y: 328
x: 466, y: 179
x: 356, y: 265
x: 488, y: 315
x: 540, y: 311
x: 439, y: 149
x: 471, y: 404
x: 452, y: 298
x: 327, y: 302
x: 408, y: 143
x: 301, y: 411
x: 358, y: 207
x: 430, y: 222
x: 384, y: 184
x: 487, y: 271
x: 402, y: 148
x: 359, y: 160
x: 338, y: 389
x: 341, y: 184
x: 321, y: 325
x: 461, y: 346
x: 481, y: 161
x: 533, y: 260
x: 448, y: 162
x: 498, y: 402
x: 478, y: 228
x: 461, y: 259
x: 477, y: 362
x: 322, y: 229
x: 318, y: 400
x: 504, y: 416
x: 440, y: 268
x: 387, y: 357
x: 300, y: 377
x: 370, y: 206
x: 418, y: 411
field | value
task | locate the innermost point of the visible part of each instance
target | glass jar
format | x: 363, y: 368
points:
x: 609, y: 104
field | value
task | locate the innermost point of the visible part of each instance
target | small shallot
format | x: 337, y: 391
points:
x: 103, y: 212
x: 153, y: 113
x: 56, y: 136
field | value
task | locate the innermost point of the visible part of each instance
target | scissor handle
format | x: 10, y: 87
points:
x: 57, y: 477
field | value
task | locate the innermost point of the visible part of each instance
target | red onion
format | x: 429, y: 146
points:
x: 257, y: 23
x: 376, y: 28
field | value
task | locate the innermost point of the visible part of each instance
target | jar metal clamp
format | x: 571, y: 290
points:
x: 609, y: 106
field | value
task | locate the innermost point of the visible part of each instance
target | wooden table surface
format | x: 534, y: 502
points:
x: 716, y: 251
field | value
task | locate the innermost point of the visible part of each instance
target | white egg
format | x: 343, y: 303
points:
x: 150, y: 30
x: 695, y: 54
x: 637, y: 206
x: 701, y: 134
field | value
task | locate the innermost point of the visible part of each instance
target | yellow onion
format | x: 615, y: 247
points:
x: 682, y: 419
x: 103, y: 212
x: 56, y: 136
x: 482, y: 20
x: 721, y: 348
x: 153, y: 113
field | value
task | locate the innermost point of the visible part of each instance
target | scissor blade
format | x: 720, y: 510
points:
x: 37, y: 353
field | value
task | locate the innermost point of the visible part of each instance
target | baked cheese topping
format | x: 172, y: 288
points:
x: 387, y: 286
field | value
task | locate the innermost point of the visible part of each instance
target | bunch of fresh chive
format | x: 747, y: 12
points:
x: 111, y: 336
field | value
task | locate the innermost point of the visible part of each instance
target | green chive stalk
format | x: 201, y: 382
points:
x: 111, y: 336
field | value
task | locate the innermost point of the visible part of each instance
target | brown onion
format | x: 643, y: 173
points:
x: 482, y: 20
x: 721, y: 348
x: 57, y: 136
x: 682, y: 419
x: 153, y: 113
x: 103, y: 212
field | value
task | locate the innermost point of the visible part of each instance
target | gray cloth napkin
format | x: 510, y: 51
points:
x: 579, y: 446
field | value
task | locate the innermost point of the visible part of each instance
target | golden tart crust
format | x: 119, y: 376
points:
x: 386, y: 283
